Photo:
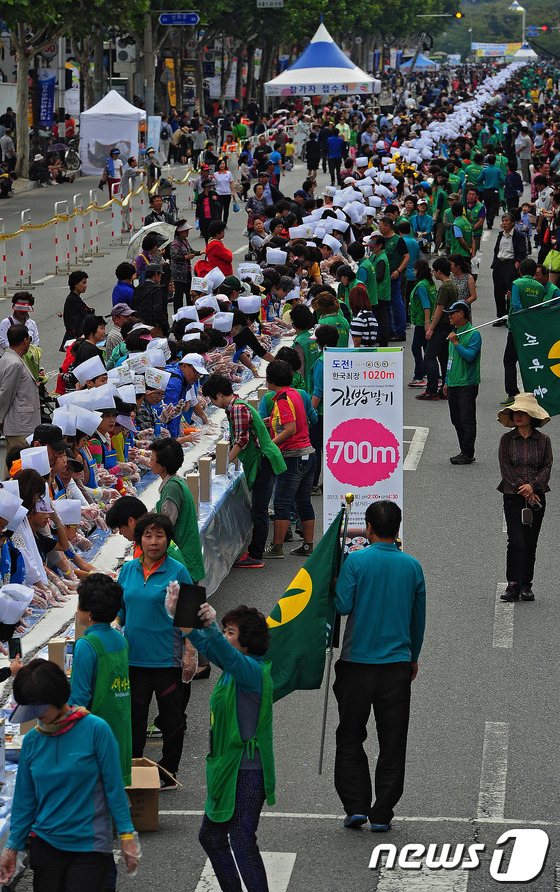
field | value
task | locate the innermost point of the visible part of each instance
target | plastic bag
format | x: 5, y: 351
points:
x: 235, y: 207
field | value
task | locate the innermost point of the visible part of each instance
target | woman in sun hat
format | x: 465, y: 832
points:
x: 181, y: 254
x: 525, y: 456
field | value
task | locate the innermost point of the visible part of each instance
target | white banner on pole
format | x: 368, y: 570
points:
x: 363, y: 430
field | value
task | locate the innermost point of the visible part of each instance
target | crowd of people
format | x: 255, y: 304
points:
x: 356, y: 265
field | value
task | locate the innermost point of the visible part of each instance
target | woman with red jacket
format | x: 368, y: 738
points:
x: 217, y: 255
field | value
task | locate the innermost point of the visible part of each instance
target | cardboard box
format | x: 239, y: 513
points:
x: 57, y: 652
x: 143, y: 794
x: 253, y: 401
x: 261, y: 392
x: 193, y: 482
x: 222, y: 452
x: 205, y: 472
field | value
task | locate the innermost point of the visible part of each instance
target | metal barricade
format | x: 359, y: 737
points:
x: 25, y: 250
x: 93, y: 224
x: 61, y: 238
x: 116, y: 216
x: 3, y: 263
x: 143, y: 192
x: 79, y: 236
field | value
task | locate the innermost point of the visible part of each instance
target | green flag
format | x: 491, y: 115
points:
x: 301, y: 623
x: 536, y: 333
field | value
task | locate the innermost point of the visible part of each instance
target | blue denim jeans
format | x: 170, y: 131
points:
x: 418, y: 347
x: 294, y: 485
x: 396, y: 309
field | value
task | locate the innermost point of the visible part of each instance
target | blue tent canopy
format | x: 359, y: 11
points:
x: 422, y: 62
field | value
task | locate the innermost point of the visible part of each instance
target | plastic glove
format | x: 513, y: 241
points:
x: 8, y: 864
x: 123, y: 467
x: 164, y: 433
x: 189, y: 662
x: 106, y: 479
x: 171, y: 595
x: 130, y: 489
x: 134, y: 478
x: 169, y: 411
x: 90, y: 511
x: 131, y: 852
x: 146, y: 434
x: 101, y: 523
x: 81, y: 542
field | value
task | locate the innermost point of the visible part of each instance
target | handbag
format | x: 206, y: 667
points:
x: 552, y: 261
x: 235, y: 207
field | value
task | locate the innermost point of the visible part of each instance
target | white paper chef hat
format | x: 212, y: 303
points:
x: 331, y: 242
x: 156, y: 358
x: 37, y: 457
x: 194, y: 327
x: 275, y: 255
x: 66, y: 421
x: 139, y: 384
x: 126, y: 393
x: 160, y: 344
x: 17, y: 518
x: 138, y: 362
x: 340, y: 225
x: 215, y: 278
x: 209, y: 301
x: 186, y: 313
x: 12, y: 486
x: 157, y: 379
x: 14, y: 601
x: 251, y: 304
x: 200, y: 285
x: 76, y: 398
x: 89, y: 370
x: 362, y: 161
x: 69, y: 511
x: 87, y: 421
x: 104, y: 397
x: 9, y: 504
x: 250, y: 271
x: 223, y: 321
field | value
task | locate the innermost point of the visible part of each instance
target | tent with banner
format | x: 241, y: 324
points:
x: 322, y: 69
x: 422, y: 64
x: 111, y: 123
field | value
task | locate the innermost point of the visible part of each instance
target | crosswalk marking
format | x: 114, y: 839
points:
x: 493, y: 774
x: 416, y: 447
x: 278, y: 865
x: 397, y: 879
x: 502, y: 633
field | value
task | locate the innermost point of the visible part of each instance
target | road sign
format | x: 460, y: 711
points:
x: 166, y: 76
x: 532, y: 31
x: 50, y: 51
x: 270, y: 4
x: 179, y: 18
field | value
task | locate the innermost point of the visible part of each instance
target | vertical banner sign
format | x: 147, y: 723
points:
x: 363, y: 429
x: 46, y: 83
x: 154, y: 130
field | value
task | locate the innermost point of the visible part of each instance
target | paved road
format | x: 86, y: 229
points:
x: 484, y: 727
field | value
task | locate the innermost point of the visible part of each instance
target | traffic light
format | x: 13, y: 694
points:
x: 458, y: 15
x: 544, y: 27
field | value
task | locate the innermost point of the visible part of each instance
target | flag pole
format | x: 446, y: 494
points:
x: 348, y: 498
x: 501, y: 318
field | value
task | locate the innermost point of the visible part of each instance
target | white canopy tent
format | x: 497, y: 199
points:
x: 322, y: 69
x: 525, y: 54
x: 111, y: 123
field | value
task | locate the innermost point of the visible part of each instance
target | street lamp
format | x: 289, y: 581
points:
x: 516, y: 7
x: 470, y: 32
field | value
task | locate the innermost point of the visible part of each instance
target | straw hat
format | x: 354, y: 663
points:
x: 524, y: 402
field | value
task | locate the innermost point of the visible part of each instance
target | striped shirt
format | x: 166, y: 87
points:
x: 364, y: 326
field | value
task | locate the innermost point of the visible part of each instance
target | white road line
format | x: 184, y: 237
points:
x: 502, y: 634
x: 43, y: 280
x: 493, y: 774
x: 396, y: 879
x: 504, y: 524
x: 240, y: 250
x: 557, y: 878
x: 409, y: 819
x: 416, y: 448
x: 278, y: 865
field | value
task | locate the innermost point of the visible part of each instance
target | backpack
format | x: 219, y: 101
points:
x: 164, y: 133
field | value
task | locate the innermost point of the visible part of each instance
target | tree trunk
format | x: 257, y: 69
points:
x: 239, y: 78
x: 22, y: 127
x: 148, y: 64
x: 83, y: 50
x: 250, y: 72
x: 98, y: 68
x: 199, y: 82
x: 266, y: 61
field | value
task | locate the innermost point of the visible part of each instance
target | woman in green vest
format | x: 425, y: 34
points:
x: 100, y: 679
x: 176, y: 502
x: 422, y: 303
x: 240, y: 764
x: 327, y: 307
x: 261, y: 459
x: 302, y: 320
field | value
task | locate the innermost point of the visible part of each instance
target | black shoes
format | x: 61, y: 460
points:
x: 461, y: 459
x: 511, y: 593
x: 527, y: 593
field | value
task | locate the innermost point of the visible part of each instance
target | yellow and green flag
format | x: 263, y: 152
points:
x: 301, y: 623
x: 536, y: 333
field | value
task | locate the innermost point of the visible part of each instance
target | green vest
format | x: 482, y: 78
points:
x: 310, y: 353
x: 454, y: 243
x: 472, y: 174
x: 461, y: 373
x: 250, y: 457
x: 384, y: 287
x: 455, y: 182
x: 473, y: 213
x: 298, y: 381
x: 530, y: 291
x: 445, y: 203
x: 342, y: 294
x: 550, y: 291
x: 447, y: 225
x: 342, y: 326
x: 393, y: 255
x: 111, y: 700
x: 416, y: 308
x: 371, y: 285
x: 186, y: 533
x: 227, y: 747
